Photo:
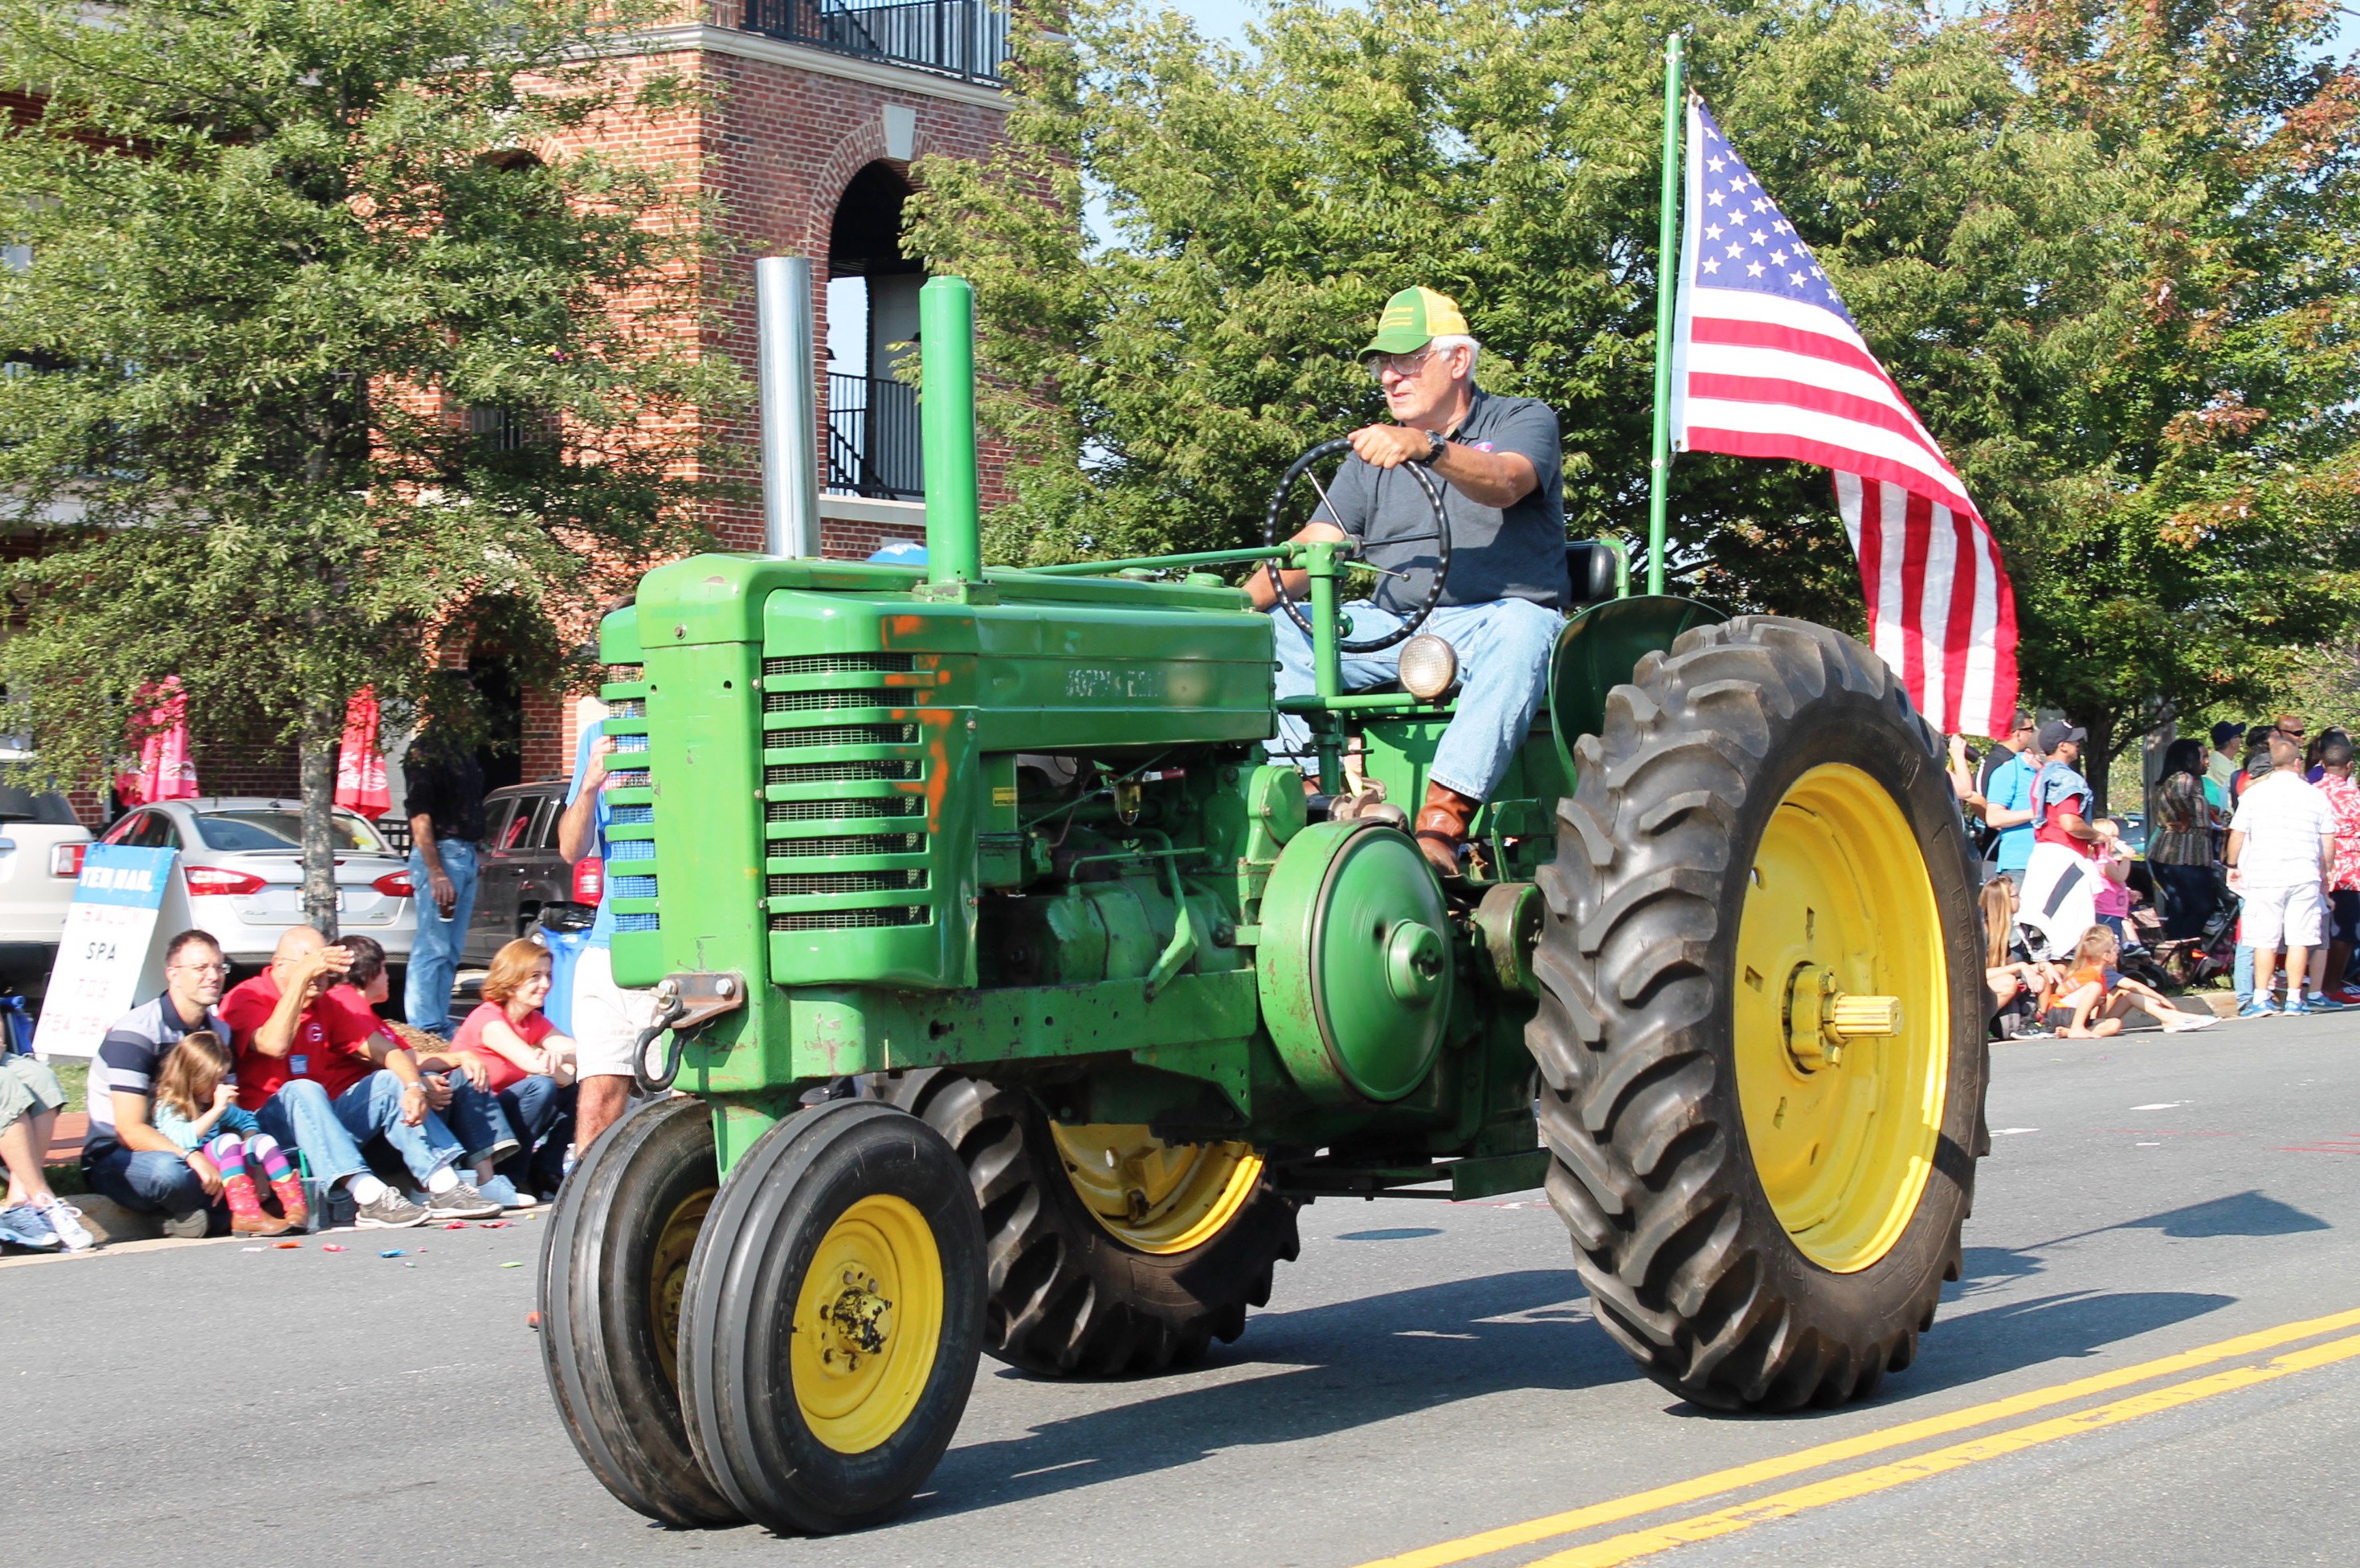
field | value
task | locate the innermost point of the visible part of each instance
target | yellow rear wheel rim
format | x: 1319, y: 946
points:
x: 668, y: 1275
x: 1153, y: 1196
x: 868, y: 1320
x: 1840, y: 903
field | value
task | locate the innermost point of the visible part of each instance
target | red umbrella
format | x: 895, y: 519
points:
x: 360, y: 771
x: 165, y: 771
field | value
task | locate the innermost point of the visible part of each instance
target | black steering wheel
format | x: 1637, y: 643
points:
x: 1440, y: 536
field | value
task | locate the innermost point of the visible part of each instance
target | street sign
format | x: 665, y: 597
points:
x: 103, y: 956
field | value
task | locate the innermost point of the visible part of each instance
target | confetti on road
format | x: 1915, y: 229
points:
x: 512, y: 1265
x: 2161, y: 1105
x: 331, y: 1247
x: 491, y: 1225
x: 2011, y: 1132
x: 532, y: 1322
x: 253, y: 1249
x: 456, y: 1225
x: 286, y: 1246
x: 390, y: 1252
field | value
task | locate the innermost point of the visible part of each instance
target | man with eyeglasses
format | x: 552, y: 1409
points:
x: 1498, y: 465
x: 124, y: 1159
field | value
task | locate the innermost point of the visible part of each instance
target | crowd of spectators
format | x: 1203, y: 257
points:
x: 255, y: 1109
x: 2252, y: 855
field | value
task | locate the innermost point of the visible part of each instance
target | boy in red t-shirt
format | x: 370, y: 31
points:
x: 323, y: 1077
x: 508, y: 1046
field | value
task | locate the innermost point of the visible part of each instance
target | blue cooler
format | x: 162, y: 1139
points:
x: 564, y: 930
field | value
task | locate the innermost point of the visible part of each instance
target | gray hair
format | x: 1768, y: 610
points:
x: 1446, y: 342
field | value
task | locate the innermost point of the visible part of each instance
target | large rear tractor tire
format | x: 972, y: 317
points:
x: 614, y: 1260
x: 1762, y: 1030
x: 832, y: 1318
x: 1111, y: 1252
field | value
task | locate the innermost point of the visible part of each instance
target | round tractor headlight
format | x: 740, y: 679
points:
x: 1429, y: 667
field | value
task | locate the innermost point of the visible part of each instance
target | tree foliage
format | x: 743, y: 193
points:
x: 1184, y: 243
x: 334, y: 346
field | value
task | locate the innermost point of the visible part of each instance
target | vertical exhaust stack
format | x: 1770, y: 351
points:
x: 946, y: 421
x: 788, y: 349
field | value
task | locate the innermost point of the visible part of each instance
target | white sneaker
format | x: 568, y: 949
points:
x: 65, y: 1220
x: 501, y: 1191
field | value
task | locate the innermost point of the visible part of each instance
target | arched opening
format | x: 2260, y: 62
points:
x: 872, y: 317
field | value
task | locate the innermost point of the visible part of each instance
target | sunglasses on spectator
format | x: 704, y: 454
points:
x: 1405, y: 366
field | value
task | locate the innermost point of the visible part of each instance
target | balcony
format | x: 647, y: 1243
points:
x: 963, y: 39
x: 873, y: 446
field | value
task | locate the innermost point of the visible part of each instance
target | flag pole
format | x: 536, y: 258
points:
x: 1659, y: 469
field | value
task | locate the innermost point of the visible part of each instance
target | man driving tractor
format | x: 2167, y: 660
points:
x: 1498, y: 464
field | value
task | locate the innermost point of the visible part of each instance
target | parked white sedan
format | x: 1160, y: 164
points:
x: 242, y: 862
x: 40, y: 855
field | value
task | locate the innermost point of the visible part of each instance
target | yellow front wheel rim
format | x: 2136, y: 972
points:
x: 668, y: 1275
x: 1153, y: 1196
x: 868, y: 1320
x: 1840, y: 922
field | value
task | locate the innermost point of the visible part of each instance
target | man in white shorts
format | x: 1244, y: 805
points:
x: 2281, y: 853
x: 606, y: 1018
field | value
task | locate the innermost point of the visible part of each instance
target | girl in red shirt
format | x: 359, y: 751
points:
x: 506, y: 1047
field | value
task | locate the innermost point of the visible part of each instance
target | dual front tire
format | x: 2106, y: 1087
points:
x: 803, y: 1359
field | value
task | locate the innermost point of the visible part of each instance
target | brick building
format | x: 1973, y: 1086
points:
x: 812, y: 112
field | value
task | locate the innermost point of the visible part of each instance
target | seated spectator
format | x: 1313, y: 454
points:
x: 196, y: 1107
x: 123, y: 1157
x: 525, y: 1061
x: 465, y: 1104
x: 2017, y: 980
x: 320, y: 1074
x: 33, y: 1216
x: 2095, y: 997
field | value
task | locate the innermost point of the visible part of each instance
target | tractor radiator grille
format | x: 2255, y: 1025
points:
x: 843, y: 735
x: 806, y: 884
x: 829, y: 810
x: 842, y: 663
x: 626, y: 697
x: 837, y: 773
x: 855, y: 919
x: 850, y: 844
x: 806, y: 702
x: 841, y: 890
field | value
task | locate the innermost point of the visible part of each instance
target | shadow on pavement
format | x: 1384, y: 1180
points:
x: 1333, y: 1369
x: 2249, y: 1214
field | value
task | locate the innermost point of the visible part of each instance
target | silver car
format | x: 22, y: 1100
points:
x: 241, y: 863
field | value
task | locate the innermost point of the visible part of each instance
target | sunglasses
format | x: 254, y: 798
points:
x: 1405, y: 366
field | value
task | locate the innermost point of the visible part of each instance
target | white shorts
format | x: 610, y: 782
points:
x: 606, y: 1018
x: 2296, y: 915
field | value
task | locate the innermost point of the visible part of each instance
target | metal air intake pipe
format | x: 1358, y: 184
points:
x: 946, y: 421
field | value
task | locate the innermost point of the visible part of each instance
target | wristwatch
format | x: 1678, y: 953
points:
x: 1435, y: 447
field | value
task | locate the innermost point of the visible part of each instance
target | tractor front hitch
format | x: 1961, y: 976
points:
x: 685, y: 1002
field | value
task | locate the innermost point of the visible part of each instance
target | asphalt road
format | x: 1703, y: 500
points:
x: 1425, y: 1374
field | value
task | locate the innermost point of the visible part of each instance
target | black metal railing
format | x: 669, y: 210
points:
x: 964, y: 39
x: 873, y: 446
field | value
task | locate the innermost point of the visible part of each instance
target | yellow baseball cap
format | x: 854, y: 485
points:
x: 1413, y: 318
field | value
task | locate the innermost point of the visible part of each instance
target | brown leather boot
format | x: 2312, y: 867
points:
x: 1442, y: 827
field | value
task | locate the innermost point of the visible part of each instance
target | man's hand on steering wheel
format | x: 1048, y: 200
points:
x: 1389, y: 445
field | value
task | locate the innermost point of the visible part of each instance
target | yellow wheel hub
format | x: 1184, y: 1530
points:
x: 868, y: 1322
x: 1843, y: 1019
x: 1153, y: 1196
x: 669, y: 1275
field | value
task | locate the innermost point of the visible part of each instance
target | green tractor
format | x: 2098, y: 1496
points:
x: 1021, y: 1001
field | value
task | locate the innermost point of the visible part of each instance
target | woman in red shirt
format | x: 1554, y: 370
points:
x: 508, y: 1047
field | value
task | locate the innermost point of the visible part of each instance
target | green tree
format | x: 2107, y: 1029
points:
x: 1257, y: 206
x: 335, y: 347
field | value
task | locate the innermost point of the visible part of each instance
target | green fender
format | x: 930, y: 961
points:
x: 1596, y: 652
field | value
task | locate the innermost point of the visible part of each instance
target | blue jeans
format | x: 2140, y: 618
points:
x: 478, y: 1120
x: 330, y: 1133
x: 1503, y: 656
x: 146, y: 1181
x: 538, y: 1107
x: 434, y: 951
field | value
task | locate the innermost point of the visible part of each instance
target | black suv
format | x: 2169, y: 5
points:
x: 518, y: 871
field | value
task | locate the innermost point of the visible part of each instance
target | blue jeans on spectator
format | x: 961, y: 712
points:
x: 538, y: 1108
x: 478, y: 1120
x: 146, y: 1181
x: 1503, y: 654
x: 2243, y: 977
x: 330, y: 1133
x: 434, y: 951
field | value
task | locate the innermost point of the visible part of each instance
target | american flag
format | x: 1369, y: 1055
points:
x: 1767, y: 362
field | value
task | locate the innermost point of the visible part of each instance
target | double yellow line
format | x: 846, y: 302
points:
x: 1632, y: 1545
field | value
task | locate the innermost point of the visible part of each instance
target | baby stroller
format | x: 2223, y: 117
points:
x: 2198, y: 960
